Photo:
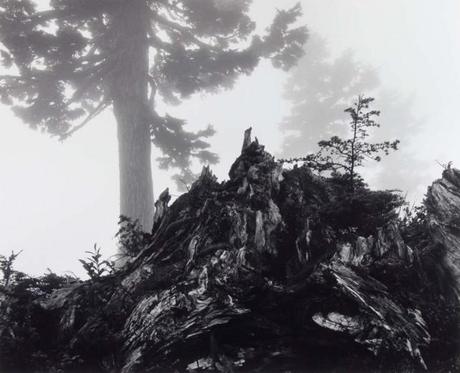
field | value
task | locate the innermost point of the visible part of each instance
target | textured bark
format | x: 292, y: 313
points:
x: 443, y: 203
x: 129, y: 87
x: 136, y: 185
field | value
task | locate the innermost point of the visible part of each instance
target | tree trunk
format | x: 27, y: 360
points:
x: 129, y: 90
x: 136, y: 186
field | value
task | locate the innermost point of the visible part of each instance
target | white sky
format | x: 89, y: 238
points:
x: 57, y: 200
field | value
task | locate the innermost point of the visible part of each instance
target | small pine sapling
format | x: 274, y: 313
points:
x: 344, y: 156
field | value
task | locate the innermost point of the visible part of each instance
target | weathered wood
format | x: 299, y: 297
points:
x: 443, y: 202
x: 247, y: 139
x: 246, y: 276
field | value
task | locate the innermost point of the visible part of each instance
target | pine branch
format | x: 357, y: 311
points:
x: 93, y: 114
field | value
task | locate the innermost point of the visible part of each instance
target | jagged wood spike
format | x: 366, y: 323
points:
x: 247, y: 139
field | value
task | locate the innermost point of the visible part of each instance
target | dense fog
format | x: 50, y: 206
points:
x: 58, y: 199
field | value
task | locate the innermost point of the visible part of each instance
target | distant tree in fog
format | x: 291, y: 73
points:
x: 71, y: 61
x: 321, y: 86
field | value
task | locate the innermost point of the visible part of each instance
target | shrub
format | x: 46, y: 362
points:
x: 132, y: 239
x: 94, y: 265
x: 363, y: 209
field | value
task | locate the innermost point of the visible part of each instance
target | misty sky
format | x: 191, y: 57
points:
x: 58, y: 199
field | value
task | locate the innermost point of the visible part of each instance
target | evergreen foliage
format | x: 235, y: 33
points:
x: 344, y: 156
x: 131, y: 238
x: 361, y: 211
x: 6, y: 268
x: 66, y: 63
x: 24, y: 329
x: 318, y: 89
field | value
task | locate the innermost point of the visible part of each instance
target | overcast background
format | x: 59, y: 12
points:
x: 58, y: 199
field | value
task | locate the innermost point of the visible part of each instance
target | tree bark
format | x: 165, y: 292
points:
x: 136, y: 185
x: 129, y: 90
x: 353, y: 146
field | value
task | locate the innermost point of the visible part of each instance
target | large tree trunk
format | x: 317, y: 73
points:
x: 136, y: 187
x: 130, y: 101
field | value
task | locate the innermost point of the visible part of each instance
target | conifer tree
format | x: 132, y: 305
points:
x: 346, y: 155
x: 67, y: 63
x: 317, y: 89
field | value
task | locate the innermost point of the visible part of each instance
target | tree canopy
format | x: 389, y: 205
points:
x: 62, y: 61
